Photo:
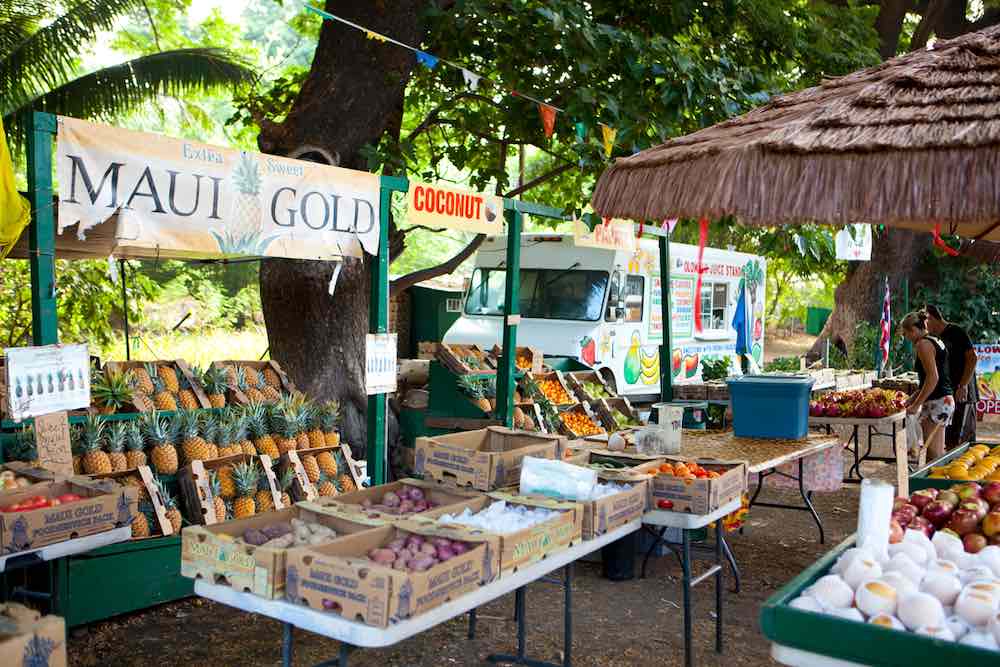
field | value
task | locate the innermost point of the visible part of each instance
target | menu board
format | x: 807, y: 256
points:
x: 46, y: 379
x: 681, y: 307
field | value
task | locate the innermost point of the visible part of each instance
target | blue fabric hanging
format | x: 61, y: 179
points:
x: 740, y: 324
x: 427, y: 60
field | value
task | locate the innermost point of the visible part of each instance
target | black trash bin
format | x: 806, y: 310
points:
x: 618, y: 558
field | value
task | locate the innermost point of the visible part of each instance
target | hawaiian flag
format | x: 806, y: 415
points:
x: 886, y: 327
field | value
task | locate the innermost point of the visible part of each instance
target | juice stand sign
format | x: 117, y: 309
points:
x: 988, y: 378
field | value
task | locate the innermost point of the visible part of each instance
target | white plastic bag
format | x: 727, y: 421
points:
x: 914, y: 434
x: 546, y: 477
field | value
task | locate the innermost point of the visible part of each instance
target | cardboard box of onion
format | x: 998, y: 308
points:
x: 398, y: 501
x: 391, y: 573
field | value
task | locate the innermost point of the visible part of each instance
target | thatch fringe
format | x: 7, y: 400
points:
x: 911, y: 142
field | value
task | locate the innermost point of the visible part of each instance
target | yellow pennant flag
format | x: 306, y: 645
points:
x: 374, y: 35
x: 608, y: 133
x: 14, y: 209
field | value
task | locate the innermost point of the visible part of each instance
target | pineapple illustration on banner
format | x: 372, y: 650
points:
x: 244, y: 235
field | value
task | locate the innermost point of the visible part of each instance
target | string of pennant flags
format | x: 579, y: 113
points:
x: 546, y: 112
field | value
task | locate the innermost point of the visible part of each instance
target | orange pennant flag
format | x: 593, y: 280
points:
x: 548, y: 115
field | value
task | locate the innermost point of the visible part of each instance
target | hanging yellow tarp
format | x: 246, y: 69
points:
x: 14, y: 209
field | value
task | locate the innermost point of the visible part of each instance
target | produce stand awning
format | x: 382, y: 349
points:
x: 909, y: 143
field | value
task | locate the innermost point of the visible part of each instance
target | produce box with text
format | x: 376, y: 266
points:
x: 392, y: 573
x: 64, y: 510
x: 612, y: 511
x: 28, y: 639
x: 486, y: 459
x: 249, y: 554
x: 723, y: 481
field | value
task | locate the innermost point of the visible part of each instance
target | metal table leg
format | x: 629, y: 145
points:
x: 856, y: 468
x: 806, y: 497
x: 519, y: 605
x: 287, y: 641
x: 472, y: 624
x: 686, y: 586
x: 652, y: 547
x: 732, y: 564
x: 719, y: 541
x: 568, y: 615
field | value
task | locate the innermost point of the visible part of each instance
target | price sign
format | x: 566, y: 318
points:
x: 380, y: 363
x: 52, y: 442
x: 46, y: 379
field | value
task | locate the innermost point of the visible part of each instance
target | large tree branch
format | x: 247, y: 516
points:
x: 538, y: 180
x: 889, y: 25
x: 411, y: 279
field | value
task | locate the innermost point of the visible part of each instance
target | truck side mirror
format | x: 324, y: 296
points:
x: 620, y: 311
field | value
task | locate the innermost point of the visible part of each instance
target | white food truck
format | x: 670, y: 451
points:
x: 602, y: 306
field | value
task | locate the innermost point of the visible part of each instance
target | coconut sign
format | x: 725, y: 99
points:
x: 169, y: 197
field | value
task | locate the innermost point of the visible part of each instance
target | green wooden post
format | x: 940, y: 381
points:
x: 666, y: 377
x: 41, y: 232
x: 511, y: 316
x: 378, y: 322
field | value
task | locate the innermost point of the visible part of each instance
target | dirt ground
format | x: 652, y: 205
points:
x: 794, y: 345
x: 636, y: 622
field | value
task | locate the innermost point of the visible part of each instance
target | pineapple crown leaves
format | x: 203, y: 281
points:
x: 219, y: 431
x: 214, y: 483
x: 215, y: 380
x: 182, y: 382
x: 22, y: 446
x: 117, y: 437
x: 329, y: 416
x: 169, y: 502
x: 246, y: 175
x: 111, y: 389
x: 150, y: 369
x: 286, y: 479
x: 93, y: 434
x: 471, y: 387
x: 134, y: 439
x: 156, y: 430
x: 190, y: 423
x: 238, y: 429
x: 245, y: 478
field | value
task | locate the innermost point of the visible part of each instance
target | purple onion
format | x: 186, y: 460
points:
x: 397, y: 545
x: 414, y: 541
x: 391, y: 499
x: 441, y: 542
x: 420, y: 506
x: 445, y: 553
x: 459, y: 548
x: 428, y: 548
x: 406, y: 506
x: 416, y: 494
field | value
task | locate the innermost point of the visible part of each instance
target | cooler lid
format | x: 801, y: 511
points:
x: 772, y: 380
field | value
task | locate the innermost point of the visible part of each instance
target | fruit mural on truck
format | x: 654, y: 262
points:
x: 588, y: 350
x: 753, y: 279
x: 642, y: 365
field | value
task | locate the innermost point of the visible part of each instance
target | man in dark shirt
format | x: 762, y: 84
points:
x: 962, y: 369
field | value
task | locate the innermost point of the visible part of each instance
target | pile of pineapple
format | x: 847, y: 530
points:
x: 259, y: 386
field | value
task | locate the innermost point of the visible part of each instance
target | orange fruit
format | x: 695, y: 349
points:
x: 666, y: 467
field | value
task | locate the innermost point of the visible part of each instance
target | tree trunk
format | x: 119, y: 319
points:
x: 352, y: 97
x: 896, y: 253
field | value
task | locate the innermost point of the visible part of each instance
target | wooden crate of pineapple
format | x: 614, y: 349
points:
x: 220, y: 554
x: 158, y: 512
x: 464, y: 359
x: 255, y: 381
x: 245, y: 482
x: 160, y: 385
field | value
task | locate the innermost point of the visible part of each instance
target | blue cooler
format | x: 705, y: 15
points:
x: 770, y: 406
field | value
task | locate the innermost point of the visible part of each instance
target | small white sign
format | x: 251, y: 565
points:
x: 856, y: 245
x: 380, y: 363
x: 46, y: 379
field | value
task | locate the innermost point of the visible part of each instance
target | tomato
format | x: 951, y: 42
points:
x: 16, y: 507
x: 69, y: 498
x: 665, y: 504
x: 35, y: 503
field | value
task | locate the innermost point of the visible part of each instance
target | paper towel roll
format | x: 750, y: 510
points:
x: 874, y: 515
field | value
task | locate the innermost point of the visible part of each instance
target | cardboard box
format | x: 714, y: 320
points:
x: 698, y: 496
x: 29, y: 640
x: 104, y: 506
x: 339, y: 578
x: 145, y: 473
x: 608, y: 513
x: 446, y: 498
x: 39, y: 478
x: 579, y: 409
x: 530, y: 545
x: 486, y: 459
x: 194, y: 481
x: 212, y: 553
x: 575, y: 379
x: 632, y: 465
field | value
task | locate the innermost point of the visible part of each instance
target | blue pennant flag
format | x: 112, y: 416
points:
x: 427, y: 60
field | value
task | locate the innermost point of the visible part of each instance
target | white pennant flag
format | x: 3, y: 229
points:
x: 471, y: 79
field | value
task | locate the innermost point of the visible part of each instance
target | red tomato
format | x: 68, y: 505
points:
x: 665, y: 504
x: 69, y: 498
x: 35, y: 503
x: 16, y: 507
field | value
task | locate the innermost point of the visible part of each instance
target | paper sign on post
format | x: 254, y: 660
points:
x: 612, y: 234
x: 52, y: 442
x: 46, y: 379
x: 380, y: 363
x: 436, y: 206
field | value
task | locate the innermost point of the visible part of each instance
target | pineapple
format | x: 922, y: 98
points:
x: 346, y: 484
x: 194, y: 447
x: 264, y: 499
x: 270, y: 393
x: 270, y: 377
x: 142, y: 378
x: 170, y: 505
x: 167, y: 373
x: 162, y: 399
x: 260, y: 433
x: 232, y: 377
x: 213, y: 429
x: 311, y: 466
x: 245, y: 477
x: 95, y: 459
x: 135, y: 446
x: 327, y: 463
x: 142, y: 521
x: 329, y: 416
x: 117, y: 437
x: 76, y: 447
x: 253, y: 376
x: 136, y: 482
x: 302, y: 428
x: 246, y: 212
x: 285, y: 483
x: 227, y: 487
x: 185, y: 394
x: 239, y: 428
x: 110, y: 392
x: 215, y: 384
x: 287, y: 422
x: 222, y: 442
x: 248, y: 387
x: 218, y: 504
x: 475, y: 390
x: 160, y: 434
x: 314, y: 432
x: 22, y: 447
x: 326, y: 487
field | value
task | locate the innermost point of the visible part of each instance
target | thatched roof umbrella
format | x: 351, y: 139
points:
x: 909, y: 143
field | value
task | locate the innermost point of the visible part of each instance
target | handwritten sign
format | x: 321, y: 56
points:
x: 52, y: 442
x: 46, y: 379
x: 380, y: 363
x: 611, y: 235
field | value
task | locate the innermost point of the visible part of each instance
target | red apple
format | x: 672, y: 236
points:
x: 991, y: 524
x: 901, y: 518
x: 938, y: 512
x: 949, y: 497
x: 963, y: 521
x: 977, y: 505
x: 968, y: 490
x: 908, y: 511
x: 923, y: 525
x: 921, y: 499
x: 994, y: 540
x: 991, y: 493
x: 974, y: 542
x: 949, y: 531
x: 895, y: 532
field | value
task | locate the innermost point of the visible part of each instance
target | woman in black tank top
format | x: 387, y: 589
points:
x: 933, y: 401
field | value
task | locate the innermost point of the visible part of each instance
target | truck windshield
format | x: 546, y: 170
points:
x: 553, y: 294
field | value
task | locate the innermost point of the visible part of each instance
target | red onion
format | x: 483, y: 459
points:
x: 416, y: 494
x: 428, y: 548
x: 414, y: 541
x: 459, y: 548
x: 445, y: 553
x: 391, y: 499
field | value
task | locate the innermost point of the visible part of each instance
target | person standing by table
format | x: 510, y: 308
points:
x: 933, y: 401
x: 962, y: 362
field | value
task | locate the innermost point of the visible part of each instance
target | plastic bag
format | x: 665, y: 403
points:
x: 914, y: 434
x: 555, y: 479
